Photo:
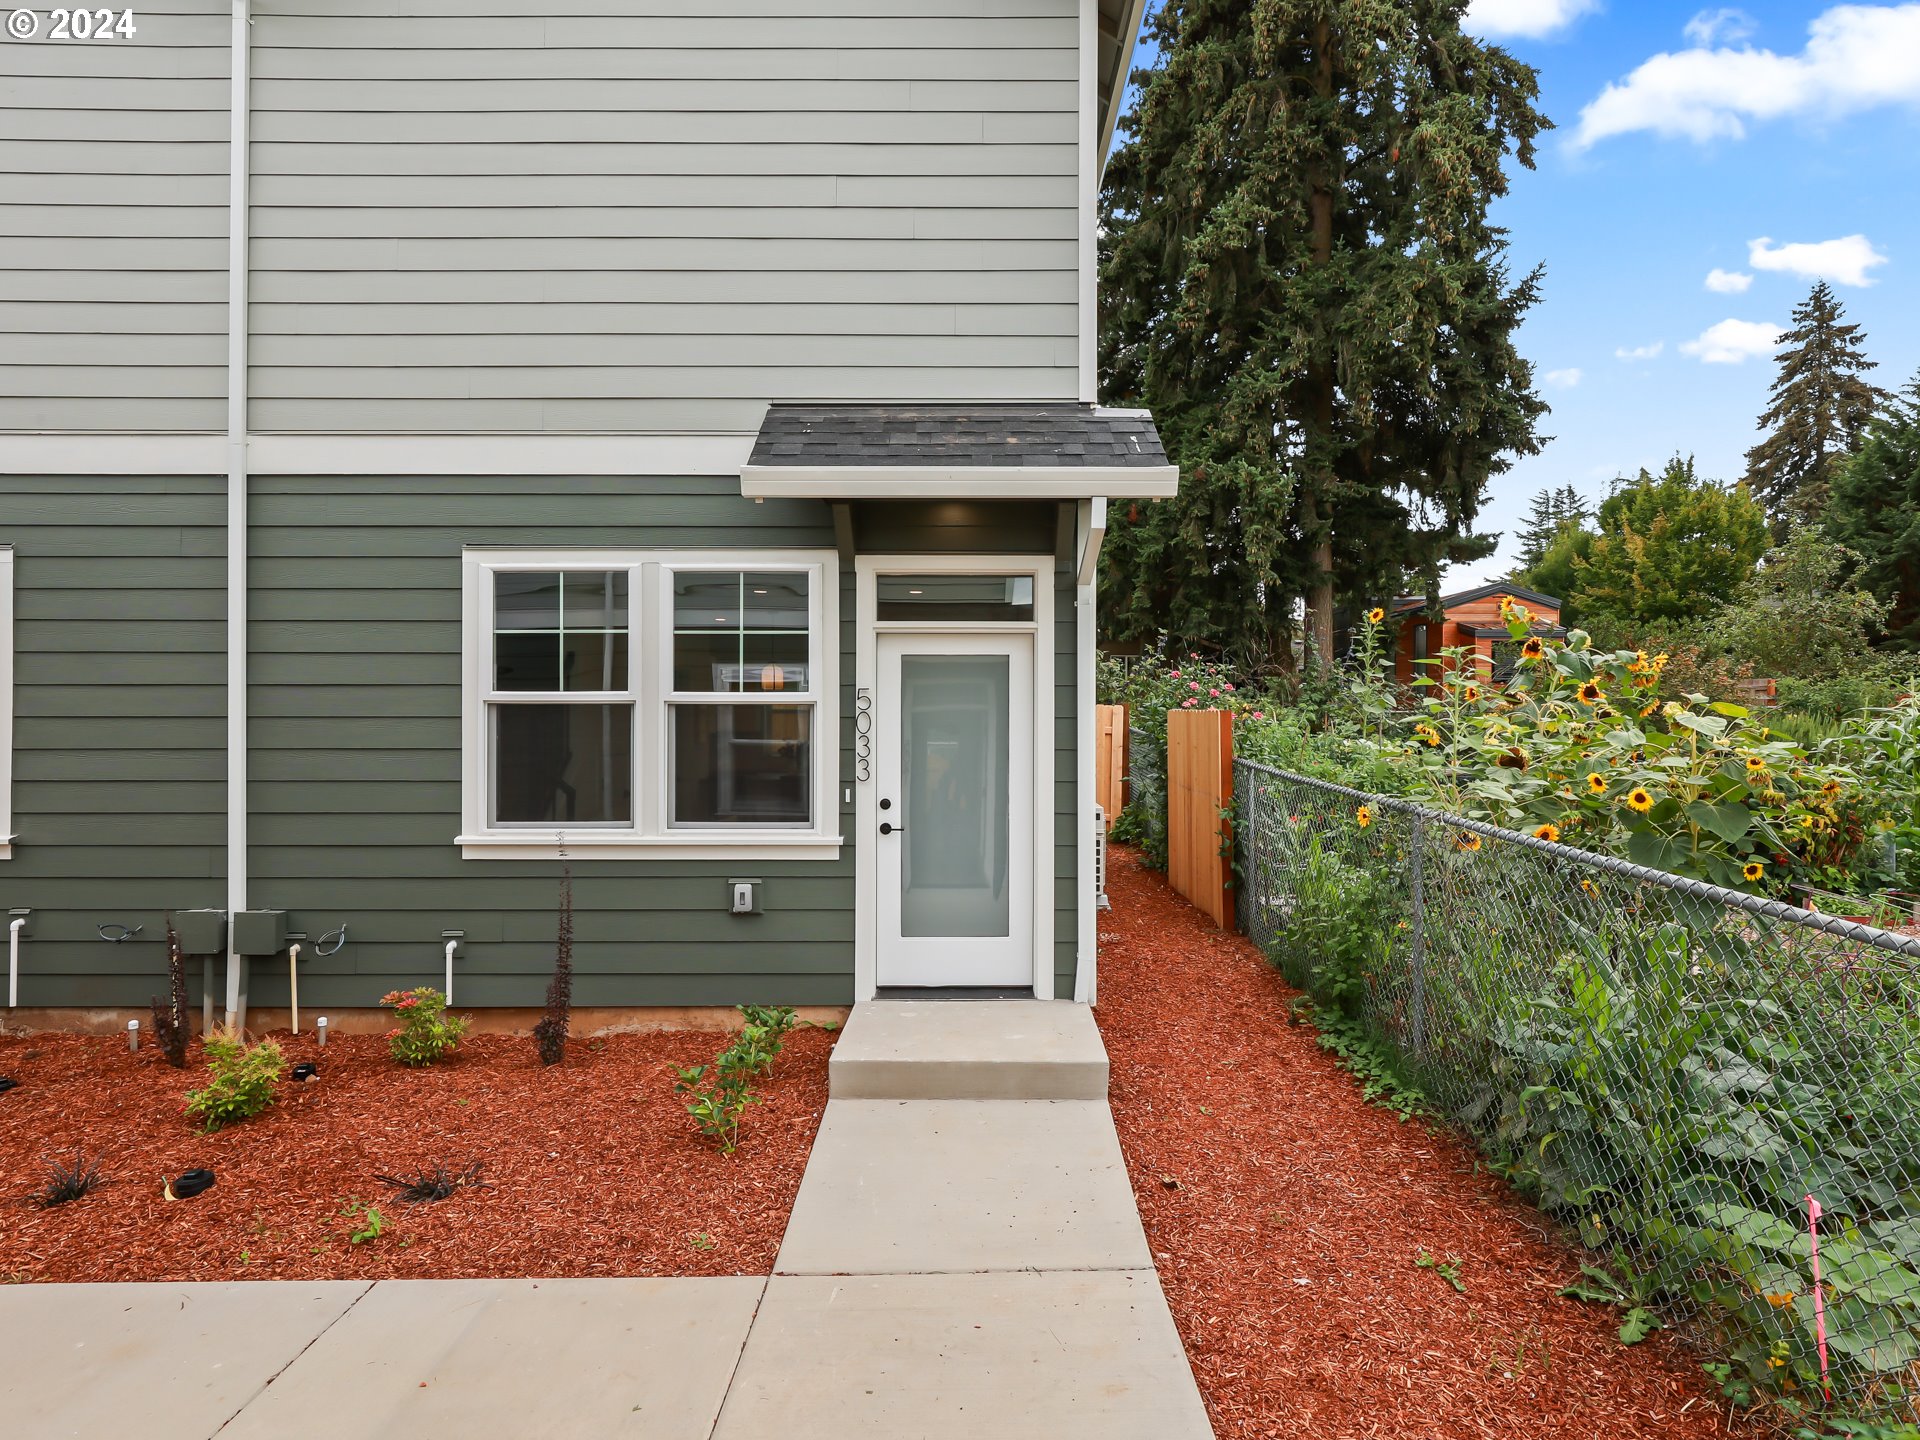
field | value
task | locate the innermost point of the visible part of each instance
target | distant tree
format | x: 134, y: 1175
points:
x: 1670, y: 547
x: 1817, y: 412
x: 1558, y: 571
x: 1875, y: 512
x: 1551, y: 512
x: 1300, y: 277
x: 1802, y: 614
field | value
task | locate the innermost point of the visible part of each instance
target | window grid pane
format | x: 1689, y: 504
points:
x: 760, y: 641
x: 584, y: 645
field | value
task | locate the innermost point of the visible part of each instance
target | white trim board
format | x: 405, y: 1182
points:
x: 6, y: 702
x: 959, y: 482
x: 291, y: 454
x: 866, y: 813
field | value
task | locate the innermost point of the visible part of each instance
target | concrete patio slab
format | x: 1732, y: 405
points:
x: 969, y: 1050
x: 1055, y: 1356
x: 527, y: 1359
x: 929, y: 1186
x: 162, y: 1362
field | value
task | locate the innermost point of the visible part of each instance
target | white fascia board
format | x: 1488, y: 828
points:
x: 1134, y: 14
x: 969, y: 482
x: 673, y: 453
x: 128, y: 454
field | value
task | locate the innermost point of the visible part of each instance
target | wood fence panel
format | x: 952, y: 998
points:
x: 1110, y: 760
x: 1199, y: 787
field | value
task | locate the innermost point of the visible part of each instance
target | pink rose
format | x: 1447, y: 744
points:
x: 1193, y: 685
x: 1214, y: 693
x: 1259, y: 715
x: 1188, y: 703
x: 1176, y: 674
x: 1229, y: 687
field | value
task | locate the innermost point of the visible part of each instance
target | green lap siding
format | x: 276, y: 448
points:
x: 354, y: 729
x: 119, y: 756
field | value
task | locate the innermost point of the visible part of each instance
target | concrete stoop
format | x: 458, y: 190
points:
x: 969, y: 1050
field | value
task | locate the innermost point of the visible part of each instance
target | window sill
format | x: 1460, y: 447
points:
x: 546, y: 845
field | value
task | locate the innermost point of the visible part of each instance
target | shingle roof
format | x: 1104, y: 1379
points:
x: 958, y: 436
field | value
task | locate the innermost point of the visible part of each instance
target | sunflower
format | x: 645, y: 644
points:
x: 1638, y: 799
x: 1597, y: 783
x: 1590, y: 693
x: 1832, y: 787
x: 1363, y: 817
x: 1593, y: 890
x: 1755, y: 765
x: 1549, y: 833
x: 1470, y: 693
x: 1649, y: 708
x: 1376, y: 615
x: 1466, y: 840
x: 1513, y: 758
x: 1752, y: 871
x: 1532, y: 648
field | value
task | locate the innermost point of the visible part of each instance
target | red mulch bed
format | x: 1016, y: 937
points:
x: 1287, y: 1251
x: 594, y: 1168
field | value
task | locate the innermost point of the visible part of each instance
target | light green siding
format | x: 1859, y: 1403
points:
x: 119, y: 763
x: 657, y: 216
x: 113, y: 220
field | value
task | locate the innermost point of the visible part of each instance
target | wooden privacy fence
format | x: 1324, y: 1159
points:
x: 1110, y: 760
x: 1199, y: 787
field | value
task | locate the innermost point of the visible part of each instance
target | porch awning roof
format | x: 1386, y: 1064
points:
x: 950, y: 452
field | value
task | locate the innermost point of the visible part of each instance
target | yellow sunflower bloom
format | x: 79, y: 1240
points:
x: 1597, y: 783
x: 1363, y: 817
x: 1753, y: 870
x: 1590, y: 693
x: 1832, y: 787
x: 1532, y: 648
x: 1467, y: 840
x: 1471, y: 693
x: 1376, y: 615
x: 1593, y: 890
x: 1755, y: 765
x: 1638, y: 799
x: 1549, y: 833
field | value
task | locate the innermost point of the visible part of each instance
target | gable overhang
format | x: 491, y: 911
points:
x: 958, y: 482
x: 1118, y: 23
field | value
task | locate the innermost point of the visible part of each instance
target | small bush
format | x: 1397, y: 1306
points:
x: 426, y: 1030
x: 67, y: 1181
x: 172, y: 1023
x: 425, y: 1186
x: 550, y: 1035
x: 242, y: 1080
x: 716, y: 1098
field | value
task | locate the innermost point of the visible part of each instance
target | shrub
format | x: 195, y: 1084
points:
x: 172, y: 1023
x: 550, y: 1035
x: 241, y: 1080
x: 426, y: 1030
x: 68, y: 1181
x: 716, y: 1098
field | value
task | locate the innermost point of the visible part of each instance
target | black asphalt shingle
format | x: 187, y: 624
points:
x: 999, y: 436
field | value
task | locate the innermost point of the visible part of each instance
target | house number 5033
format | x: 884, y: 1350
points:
x: 74, y: 25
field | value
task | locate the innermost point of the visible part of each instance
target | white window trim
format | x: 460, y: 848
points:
x: 868, y: 629
x: 650, y: 638
x: 6, y: 702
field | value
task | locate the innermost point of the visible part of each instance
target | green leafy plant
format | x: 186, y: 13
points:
x: 367, y: 1223
x: 1627, y: 1290
x: 242, y: 1080
x: 426, y: 1031
x: 716, y: 1096
x: 1447, y: 1269
x: 67, y: 1181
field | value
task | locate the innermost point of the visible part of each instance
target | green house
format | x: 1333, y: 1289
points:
x: 439, y: 451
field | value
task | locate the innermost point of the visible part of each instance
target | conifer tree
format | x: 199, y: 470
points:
x: 1550, y: 512
x: 1817, y: 412
x: 1300, y: 279
x: 1875, y: 512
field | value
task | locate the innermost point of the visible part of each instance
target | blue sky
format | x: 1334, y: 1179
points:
x: 1685, y: 135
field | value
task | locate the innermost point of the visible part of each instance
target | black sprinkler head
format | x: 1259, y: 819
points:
x: 192, y: 1183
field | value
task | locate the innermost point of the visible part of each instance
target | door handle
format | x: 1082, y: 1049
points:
x: 889, y: 829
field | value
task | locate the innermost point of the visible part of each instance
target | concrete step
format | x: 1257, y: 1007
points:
x: 969, y: 1050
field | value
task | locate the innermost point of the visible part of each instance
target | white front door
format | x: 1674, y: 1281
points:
x: 956, y: 806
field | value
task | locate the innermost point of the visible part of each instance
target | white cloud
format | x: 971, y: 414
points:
x: 1528, y: 18
x: 1732, y: 341
x: 1857, y: 57
x: 1728, y: 282
x: 1845, y: 261
x: 1563, y: 379
x: 1727, y: 24
x: 1640, y: 352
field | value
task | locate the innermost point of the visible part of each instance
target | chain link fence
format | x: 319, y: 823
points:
x: 1147, y: 794
x: 1671, y: 1069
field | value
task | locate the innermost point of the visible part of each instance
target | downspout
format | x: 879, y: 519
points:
x: 237, y: 509
x: 1093, y: 530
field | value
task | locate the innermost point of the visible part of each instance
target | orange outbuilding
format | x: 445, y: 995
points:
x: 1470, y: 620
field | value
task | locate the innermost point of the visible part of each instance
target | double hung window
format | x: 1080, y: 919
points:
x: 638, y: 701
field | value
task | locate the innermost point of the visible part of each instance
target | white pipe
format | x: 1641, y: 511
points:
x: 452, y: 945
x: 293, y: 984
x: 237, y: 494
x: 1093, y: 530
x: 13, y: 962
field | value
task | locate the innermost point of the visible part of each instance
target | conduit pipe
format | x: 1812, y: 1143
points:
x: 293, y: 984
x: 13, y: 962
x: 452, y: 945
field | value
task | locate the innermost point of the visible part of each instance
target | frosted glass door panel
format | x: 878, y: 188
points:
x: 956, y: 713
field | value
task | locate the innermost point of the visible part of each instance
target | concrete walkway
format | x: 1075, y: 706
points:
x: 954, y: 1267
